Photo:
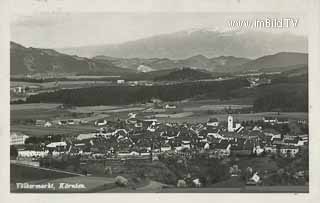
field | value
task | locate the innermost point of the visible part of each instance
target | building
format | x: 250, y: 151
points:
x: 272, y: 132
x: 18, y: 89
x: 269, y: 119
x: 100, y: 122
x: 17, y: 138
x: 242, y: 147
x: 220, y: 150
x: 213, y: 122
x: 47, y: 124
x: 170, y: 106
x: 233, y: 127
x: 288, y: 151
x: 254, y: 180
x: 86, y: 136
x: 282, y: 121
x: 40, y: 122
x: 57, y: 145
x: 120, y: 81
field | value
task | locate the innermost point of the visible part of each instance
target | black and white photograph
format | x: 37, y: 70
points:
x: 156, y: 101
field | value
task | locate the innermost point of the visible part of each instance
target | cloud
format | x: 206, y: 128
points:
x: 39, y: 20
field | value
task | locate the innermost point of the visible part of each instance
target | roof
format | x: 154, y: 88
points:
x: 57, y: 144
x: 282, y: 119
x: 269, y: 118
x: 213, y: 120
x: 288, y: 147
x: 271, y: 130
x: 222, y: 145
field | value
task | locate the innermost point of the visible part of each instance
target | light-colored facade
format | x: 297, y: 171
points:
x: 17, y: 139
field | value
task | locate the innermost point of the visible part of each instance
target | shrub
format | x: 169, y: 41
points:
x: 121, y: 181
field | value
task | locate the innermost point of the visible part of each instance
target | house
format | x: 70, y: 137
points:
x: 47, y: 124
x: 18, y: 89
x: 288, y: 151
x: 86, y: 136
x: 62, y: 122
x: 215, y: 134
x: 132, y: 115
x: 282, y: 121
x: 294, y: 142
x: 272, y: 132
x: 220, y: 150
x: 101, y: 122
x: 40, y: 122
x: 196, y: 182
x: 57, y: 145
x: 186, y: 144
x: 254, y: 180
x: 70, y: 122
x: 242, y: 147
x: 17, y: 138
x: 138, y: 125
x: 213, y: 122
x: 268, y: 119
x: 272, y: 149
x: 302, y: 121
x: 170, y: 106
x: 256, y: 128
x: 258, y: 150
x: 120, y: 81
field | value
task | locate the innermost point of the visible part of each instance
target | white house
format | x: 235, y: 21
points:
x: 100, y: 122
x: 170, y: 106
x: 254, y: 180
x: 47, y: 124
x: 269, y: 119
x: 17, y: 138
x: 86, y: 136
x: 120, y: 81
x: 56, y: 144
x: 289, y: 151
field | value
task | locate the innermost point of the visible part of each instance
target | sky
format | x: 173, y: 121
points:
x: 49, y: 24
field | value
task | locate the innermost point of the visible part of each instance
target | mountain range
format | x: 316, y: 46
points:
x: 216, y: 64
x: 35, y: 60
x: 207, y: 42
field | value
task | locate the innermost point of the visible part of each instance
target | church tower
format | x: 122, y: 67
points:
x: 230, y: 124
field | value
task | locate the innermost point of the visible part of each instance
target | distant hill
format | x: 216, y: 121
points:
x: 216, y: 64
x: 279, y: 62
x: 206, y: 42
x: 34, y: 60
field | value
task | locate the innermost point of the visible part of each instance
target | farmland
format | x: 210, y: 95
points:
x: 56, y: 130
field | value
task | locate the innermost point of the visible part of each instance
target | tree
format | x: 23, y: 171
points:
x: 13, y: 152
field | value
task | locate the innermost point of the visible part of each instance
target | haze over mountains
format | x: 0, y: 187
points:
x: 206, y: 42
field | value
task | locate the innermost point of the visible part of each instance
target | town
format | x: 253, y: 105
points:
x: 132, y: 140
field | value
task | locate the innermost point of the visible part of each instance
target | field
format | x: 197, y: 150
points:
x: 89, y: 109
x: 32, y: 130
x: 61, y: 84
x: 203, y: 117
x: 25, y: 173
x: 190, y: 111
x: 15, y: 107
